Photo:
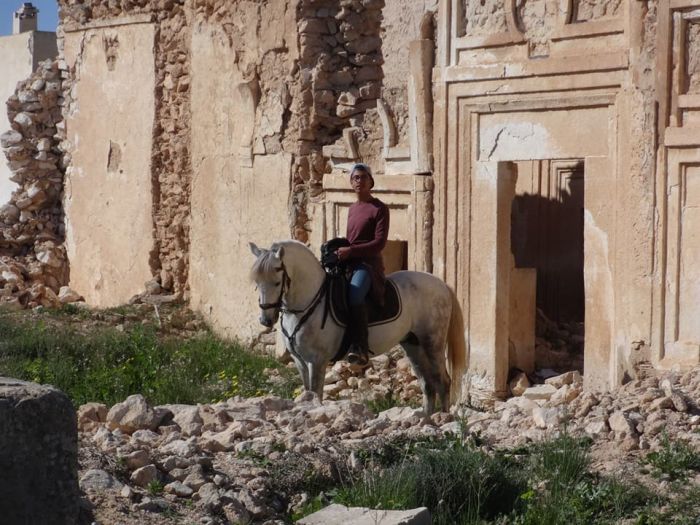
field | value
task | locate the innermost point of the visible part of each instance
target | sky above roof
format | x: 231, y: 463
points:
x: 48, y: 14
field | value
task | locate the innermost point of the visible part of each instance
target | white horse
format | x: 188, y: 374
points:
x: 290, y: 280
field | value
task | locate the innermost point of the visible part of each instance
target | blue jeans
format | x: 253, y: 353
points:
x: 360, y: 284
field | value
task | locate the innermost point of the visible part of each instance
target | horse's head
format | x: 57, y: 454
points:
x: 272, y: 281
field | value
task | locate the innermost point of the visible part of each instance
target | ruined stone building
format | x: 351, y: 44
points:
x: 20, y: 53
x: 538, y: 155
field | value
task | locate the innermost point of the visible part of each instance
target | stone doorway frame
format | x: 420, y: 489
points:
x: 486, y: 376
x: 490, y: 279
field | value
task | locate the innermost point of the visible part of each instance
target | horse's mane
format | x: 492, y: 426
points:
x: 267, y: 262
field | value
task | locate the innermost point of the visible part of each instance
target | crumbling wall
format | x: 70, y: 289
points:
x: 402, y: 22
x: 170, y: 168
x: 340, y: 77
x: 242, y: 150
x: 33, y: 264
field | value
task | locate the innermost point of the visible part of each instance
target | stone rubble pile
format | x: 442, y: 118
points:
x: 33, y: 263
x: 390, y: 377
x: 202, y: 453
x: 559, y: 345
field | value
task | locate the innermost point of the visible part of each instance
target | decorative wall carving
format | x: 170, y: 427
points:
x: 484, y: 17
x: 692, y: 54
x: 537, y: 19
x: 585, y: 10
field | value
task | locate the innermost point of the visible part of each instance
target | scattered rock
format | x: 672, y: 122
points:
x: 99, y: 480
x: 133, y: 414
x: 144, y: 475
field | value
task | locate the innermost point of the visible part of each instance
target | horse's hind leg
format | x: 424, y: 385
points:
x: 434, y: 347
x: 427, y: 354
x: 422, y: 368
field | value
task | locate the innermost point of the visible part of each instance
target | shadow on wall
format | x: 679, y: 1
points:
x: 547, y: 234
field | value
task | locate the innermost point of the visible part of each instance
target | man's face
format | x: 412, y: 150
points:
x: 360, y: 181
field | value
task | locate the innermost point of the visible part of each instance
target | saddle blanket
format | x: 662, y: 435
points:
x: 376, y: 314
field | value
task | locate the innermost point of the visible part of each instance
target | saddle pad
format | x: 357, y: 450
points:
x: 338, y: 293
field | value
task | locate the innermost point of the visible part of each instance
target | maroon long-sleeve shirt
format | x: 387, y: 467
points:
x: 367, y: 232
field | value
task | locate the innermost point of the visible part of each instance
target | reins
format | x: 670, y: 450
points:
x: 309, y: 310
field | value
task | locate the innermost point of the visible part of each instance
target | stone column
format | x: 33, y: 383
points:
x: 420, y: 106
x: 493, y: 189
x: 38, y: 455
x: 599, y: 367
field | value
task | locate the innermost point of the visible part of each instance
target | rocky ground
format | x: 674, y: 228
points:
x: 247, y: 459
x: 258, y: 460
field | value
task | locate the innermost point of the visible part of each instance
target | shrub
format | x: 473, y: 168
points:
x: 564, y: 491
x: 459, y: 484
x: 674, y: 459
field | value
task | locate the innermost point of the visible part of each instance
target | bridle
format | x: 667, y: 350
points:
x: 308, y: 311
x: 279, y: 304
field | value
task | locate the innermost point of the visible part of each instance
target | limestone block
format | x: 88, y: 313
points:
x: 133, y: 414
x: 619, y: 422
x: 38, y: 454
x: 568, y: 378
x: 539, y: 392
x: 90, y: 415
x: 189, y: 421
x: 144, y: 475
x: 547, y: 417
x: 342, y: 515
x: 519, y: 384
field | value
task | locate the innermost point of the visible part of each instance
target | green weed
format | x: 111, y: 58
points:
x: 155, y: 487
x: 108, y: 365
x: 674, y: 459
x: 459, y: 484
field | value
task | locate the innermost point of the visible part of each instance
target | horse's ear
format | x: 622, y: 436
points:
x: 253, y: 248
x: 280, y: 252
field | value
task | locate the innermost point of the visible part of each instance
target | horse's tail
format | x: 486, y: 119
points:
x: 456, y: 349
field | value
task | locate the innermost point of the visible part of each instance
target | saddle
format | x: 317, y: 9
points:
x: 376, y: 314
x: 337, y: 295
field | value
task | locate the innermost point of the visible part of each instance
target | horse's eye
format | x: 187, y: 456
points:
x: 277, y: 284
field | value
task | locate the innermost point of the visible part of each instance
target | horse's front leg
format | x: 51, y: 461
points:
x: 317, y: 377
x: 303, y: 369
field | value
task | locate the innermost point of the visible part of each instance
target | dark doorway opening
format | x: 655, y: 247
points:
x: 395, y: 255
x: 547, y: 234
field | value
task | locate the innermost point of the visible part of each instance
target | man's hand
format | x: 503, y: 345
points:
x: 343, y: 253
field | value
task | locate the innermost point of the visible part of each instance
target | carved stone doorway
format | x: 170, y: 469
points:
x: 547, y: 236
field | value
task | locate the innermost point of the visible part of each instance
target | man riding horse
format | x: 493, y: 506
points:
x: 367, y: 232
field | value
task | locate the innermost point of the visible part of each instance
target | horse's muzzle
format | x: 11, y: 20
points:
x: 267, y: 321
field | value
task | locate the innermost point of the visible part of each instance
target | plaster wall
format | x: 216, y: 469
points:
x: 551, y: 134
x: 233, y: 202
x: 19, y: 55
x: 108, y: 189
